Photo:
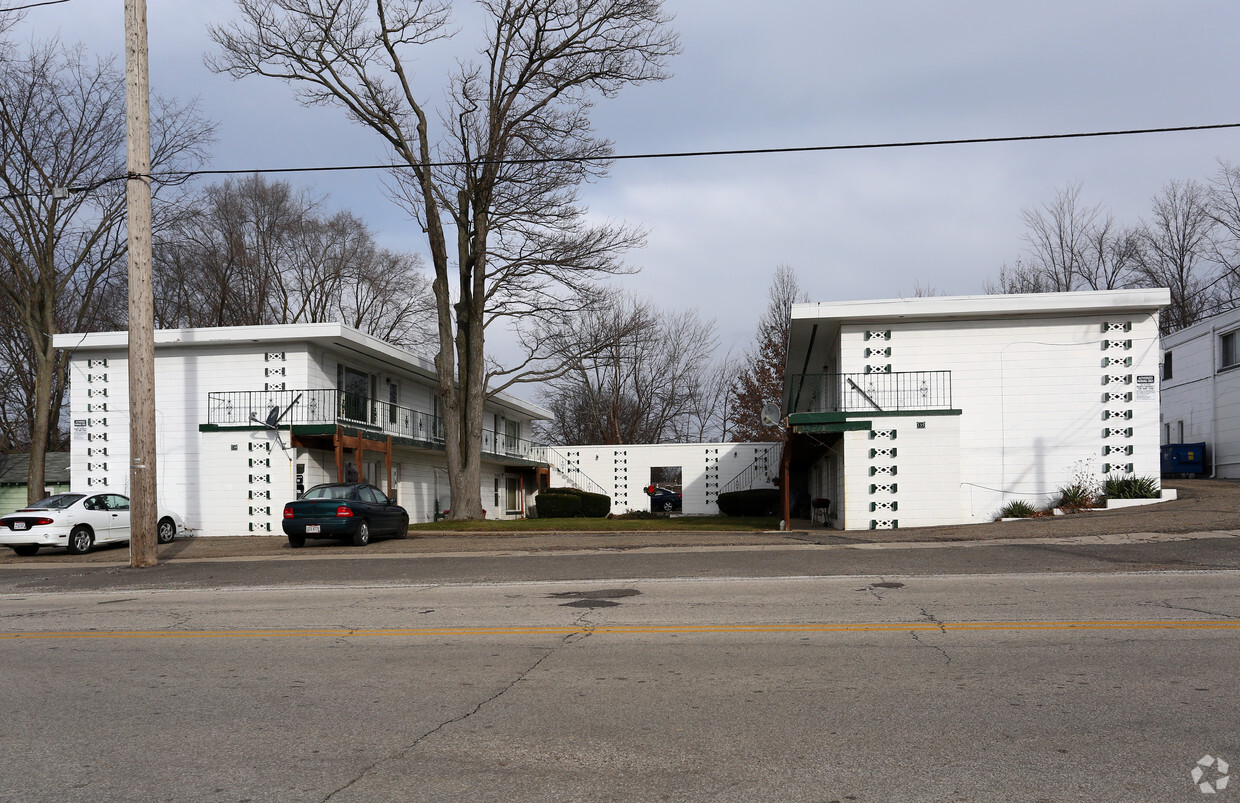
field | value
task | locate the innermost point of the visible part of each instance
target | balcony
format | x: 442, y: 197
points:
x: 331, y: 407
x: 889, y: 392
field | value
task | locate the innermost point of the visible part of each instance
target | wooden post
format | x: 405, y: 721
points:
x: 339, y: 454
x: 785, y: 476
x: 142, y: 487
x: 389, y: 464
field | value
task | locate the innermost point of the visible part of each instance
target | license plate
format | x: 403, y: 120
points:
x: 312, y: 528
x: 19, y: 525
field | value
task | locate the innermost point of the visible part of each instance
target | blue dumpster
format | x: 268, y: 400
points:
x: 1183, y: 458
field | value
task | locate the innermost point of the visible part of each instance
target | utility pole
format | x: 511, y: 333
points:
x: 142, y: 491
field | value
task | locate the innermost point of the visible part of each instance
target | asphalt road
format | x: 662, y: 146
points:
x: 702, y: 675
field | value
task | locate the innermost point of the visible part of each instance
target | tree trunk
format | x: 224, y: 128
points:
x: 41, y: 424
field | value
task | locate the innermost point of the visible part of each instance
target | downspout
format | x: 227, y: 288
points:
x: 1213, y: 399
x: 785, y: 465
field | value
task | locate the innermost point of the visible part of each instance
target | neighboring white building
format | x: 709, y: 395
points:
x: 345, y: 405
x: 1201, y: 390
x: 928, y: 411
x: 705, y: 470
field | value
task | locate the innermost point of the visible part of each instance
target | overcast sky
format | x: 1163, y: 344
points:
x: 785, y: 73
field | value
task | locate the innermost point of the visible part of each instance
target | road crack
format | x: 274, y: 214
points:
x: 929, y: 617
x: 587, y: 629
x: 1166, y: 604
x: 947, y: 658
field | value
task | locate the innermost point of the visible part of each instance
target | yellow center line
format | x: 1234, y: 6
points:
x: 568, y: 630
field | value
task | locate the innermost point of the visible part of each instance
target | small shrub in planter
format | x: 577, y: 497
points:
x: 1017, y: 509
x: 754, y: 502
x: 1075, y: 496
x: 1120, y: 487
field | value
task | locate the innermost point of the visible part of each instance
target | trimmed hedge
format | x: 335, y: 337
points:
x: 559, y: 503
x: 754, y: 502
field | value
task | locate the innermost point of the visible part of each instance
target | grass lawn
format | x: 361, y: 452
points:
x: 660, y: 524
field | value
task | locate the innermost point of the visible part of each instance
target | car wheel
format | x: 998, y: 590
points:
x: 297, y: 541
x: 362, y: 536
x: 80, y: 541
x: 26, y: 550
x: 668, y: 506
x: 165, y: 531
x: 403, y: 528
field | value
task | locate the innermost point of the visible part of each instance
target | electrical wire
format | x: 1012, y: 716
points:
x: 185, y: 174
x: 731, y: 152
x: 32, y: 5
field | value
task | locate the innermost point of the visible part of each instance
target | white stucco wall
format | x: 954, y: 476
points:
x: 1043, y: 400
x: 905, y: 471
x: 622, y: 472
x: 217, y: 480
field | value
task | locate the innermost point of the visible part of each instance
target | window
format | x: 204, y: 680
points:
x: 1181, y: 440
x: 1227, y: 347
x: 1167, y: 433
x: 393, y: 400
x: 512, y: 436
x: 1166, y: 372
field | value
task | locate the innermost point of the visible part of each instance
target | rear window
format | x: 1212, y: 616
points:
x: 57, y: 502
x: 329, y: 492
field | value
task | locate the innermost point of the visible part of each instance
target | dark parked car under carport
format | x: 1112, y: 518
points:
x: 345, y: 511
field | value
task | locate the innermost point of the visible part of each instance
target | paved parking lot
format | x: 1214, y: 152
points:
x: 1202, y: 506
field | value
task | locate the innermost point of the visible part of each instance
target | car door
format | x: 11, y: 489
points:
x: 118, y: 508
x: 95, y: 514
x: 384, y: 517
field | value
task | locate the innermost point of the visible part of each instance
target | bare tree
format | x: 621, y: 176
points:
x: 1224, y: 248
x: 762, y: 378
x: 1071, y: 246
x: 254, y: 252
x: 651, y: 380
x: 62, y: 124
x: 494, y: 182
x: 1176, y: 248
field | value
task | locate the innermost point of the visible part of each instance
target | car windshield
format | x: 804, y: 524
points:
x: 57, y: 501
x: 329, y: 492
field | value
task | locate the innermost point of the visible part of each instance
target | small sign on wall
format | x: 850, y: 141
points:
x: 1145, y: 390
x: 79, y: 429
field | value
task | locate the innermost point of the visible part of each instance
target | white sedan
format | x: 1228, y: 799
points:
x: 77, y: 522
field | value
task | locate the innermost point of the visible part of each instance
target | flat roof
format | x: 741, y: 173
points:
x: 985, y: 306
x: 335, y: 335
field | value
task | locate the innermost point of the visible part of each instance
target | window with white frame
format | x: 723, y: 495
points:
x: 1228, y: 354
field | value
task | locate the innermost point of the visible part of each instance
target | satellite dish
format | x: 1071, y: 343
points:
x: 274, y: 417
x: 770, y: 414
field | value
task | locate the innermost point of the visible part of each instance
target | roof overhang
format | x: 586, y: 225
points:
x: 818, y: 324
x: 326, y: 335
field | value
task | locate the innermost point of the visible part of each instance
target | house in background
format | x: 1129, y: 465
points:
x: 15, y: 470
x: 930, y: 411
x: 246, y: 417
x: 1201, y: 390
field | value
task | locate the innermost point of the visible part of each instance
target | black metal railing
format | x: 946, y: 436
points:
x: 873, y: 392
x: 331, y: 406
x: 759, y: 473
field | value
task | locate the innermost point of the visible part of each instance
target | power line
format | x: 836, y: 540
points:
x: 732, y: 152
x: 32, y: 5
x: 185, y: 174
